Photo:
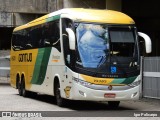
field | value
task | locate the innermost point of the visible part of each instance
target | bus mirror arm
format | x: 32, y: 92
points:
x: 148, y: 43
x: 72, y: 41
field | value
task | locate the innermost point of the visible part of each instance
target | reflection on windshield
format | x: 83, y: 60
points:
x: 92, y: 41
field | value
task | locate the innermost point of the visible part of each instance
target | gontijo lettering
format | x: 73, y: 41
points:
x: 25, y: 57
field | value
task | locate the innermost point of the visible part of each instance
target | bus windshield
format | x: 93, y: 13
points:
x: 99, y: 44
x: 92, y: 42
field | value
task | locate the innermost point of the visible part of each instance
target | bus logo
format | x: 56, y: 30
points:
x: 13, y: 58
x: 113, y: 69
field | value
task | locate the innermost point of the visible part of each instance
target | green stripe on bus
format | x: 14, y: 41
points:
x: 53, y: 18
x: 118, y: 81
x: 129, y: 80
x: 123, y: 80
x: 41, y: 66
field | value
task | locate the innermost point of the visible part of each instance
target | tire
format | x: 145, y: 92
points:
x: 59, y: 100
x: 113, y: 104
x: 19, y: 88
x: 25, y: 93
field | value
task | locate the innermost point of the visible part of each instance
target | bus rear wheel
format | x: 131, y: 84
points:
x: 59, y: 100
x: 25, y: 93
x: 23, y: 89
x: 113, y: 104
x: 19, y: 88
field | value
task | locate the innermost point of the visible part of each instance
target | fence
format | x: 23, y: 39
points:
x: 4, y: 70
x: 4, y: 67
x: 151, y: 77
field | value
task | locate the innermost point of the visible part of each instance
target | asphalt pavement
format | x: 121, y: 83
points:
x: 46, y: 105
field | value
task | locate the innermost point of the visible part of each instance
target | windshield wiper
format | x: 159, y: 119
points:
x: 102, y: 60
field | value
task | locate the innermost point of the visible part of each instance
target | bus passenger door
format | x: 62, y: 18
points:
x: 68, y: 56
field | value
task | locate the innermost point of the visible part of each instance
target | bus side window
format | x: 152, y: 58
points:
x: 18, y: 40
x: 30, y: 35
x: 44, y: 40
x: 53, y: 34
x: 14, y: 41
x: 36, y: 36
x: 42, y: 36
x: 33, y: 37
x: 24, y: 39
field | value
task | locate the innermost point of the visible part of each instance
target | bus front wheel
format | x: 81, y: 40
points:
x: 59, y: 100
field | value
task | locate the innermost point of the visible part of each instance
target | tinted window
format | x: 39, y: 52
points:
x: 122, y: 36
x: 44, y: 35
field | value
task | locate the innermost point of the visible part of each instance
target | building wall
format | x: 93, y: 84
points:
x: 101, y: 4
x: 6, y: 64
x: 114, y: 5
x: 5, y: 19
x: 24, y: 6
x: 17, y: 12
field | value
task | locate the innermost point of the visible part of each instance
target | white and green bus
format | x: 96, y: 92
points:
x: 78, y: 54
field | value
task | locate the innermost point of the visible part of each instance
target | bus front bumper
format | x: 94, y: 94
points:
x: 80, y: 92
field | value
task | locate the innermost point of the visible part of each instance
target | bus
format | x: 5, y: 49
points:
x: 78, y: 54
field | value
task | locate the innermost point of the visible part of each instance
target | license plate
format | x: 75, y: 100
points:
x: 109, y: 95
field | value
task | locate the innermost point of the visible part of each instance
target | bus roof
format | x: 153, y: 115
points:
x: 84, y: 15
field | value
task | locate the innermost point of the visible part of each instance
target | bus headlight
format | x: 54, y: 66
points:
x: 134, y: 84
x: 81, y: 82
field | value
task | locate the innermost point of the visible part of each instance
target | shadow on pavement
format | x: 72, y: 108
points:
x: 79, y: 105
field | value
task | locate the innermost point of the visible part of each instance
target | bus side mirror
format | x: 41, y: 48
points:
x: 148, y: 43
x: 72, y: 40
